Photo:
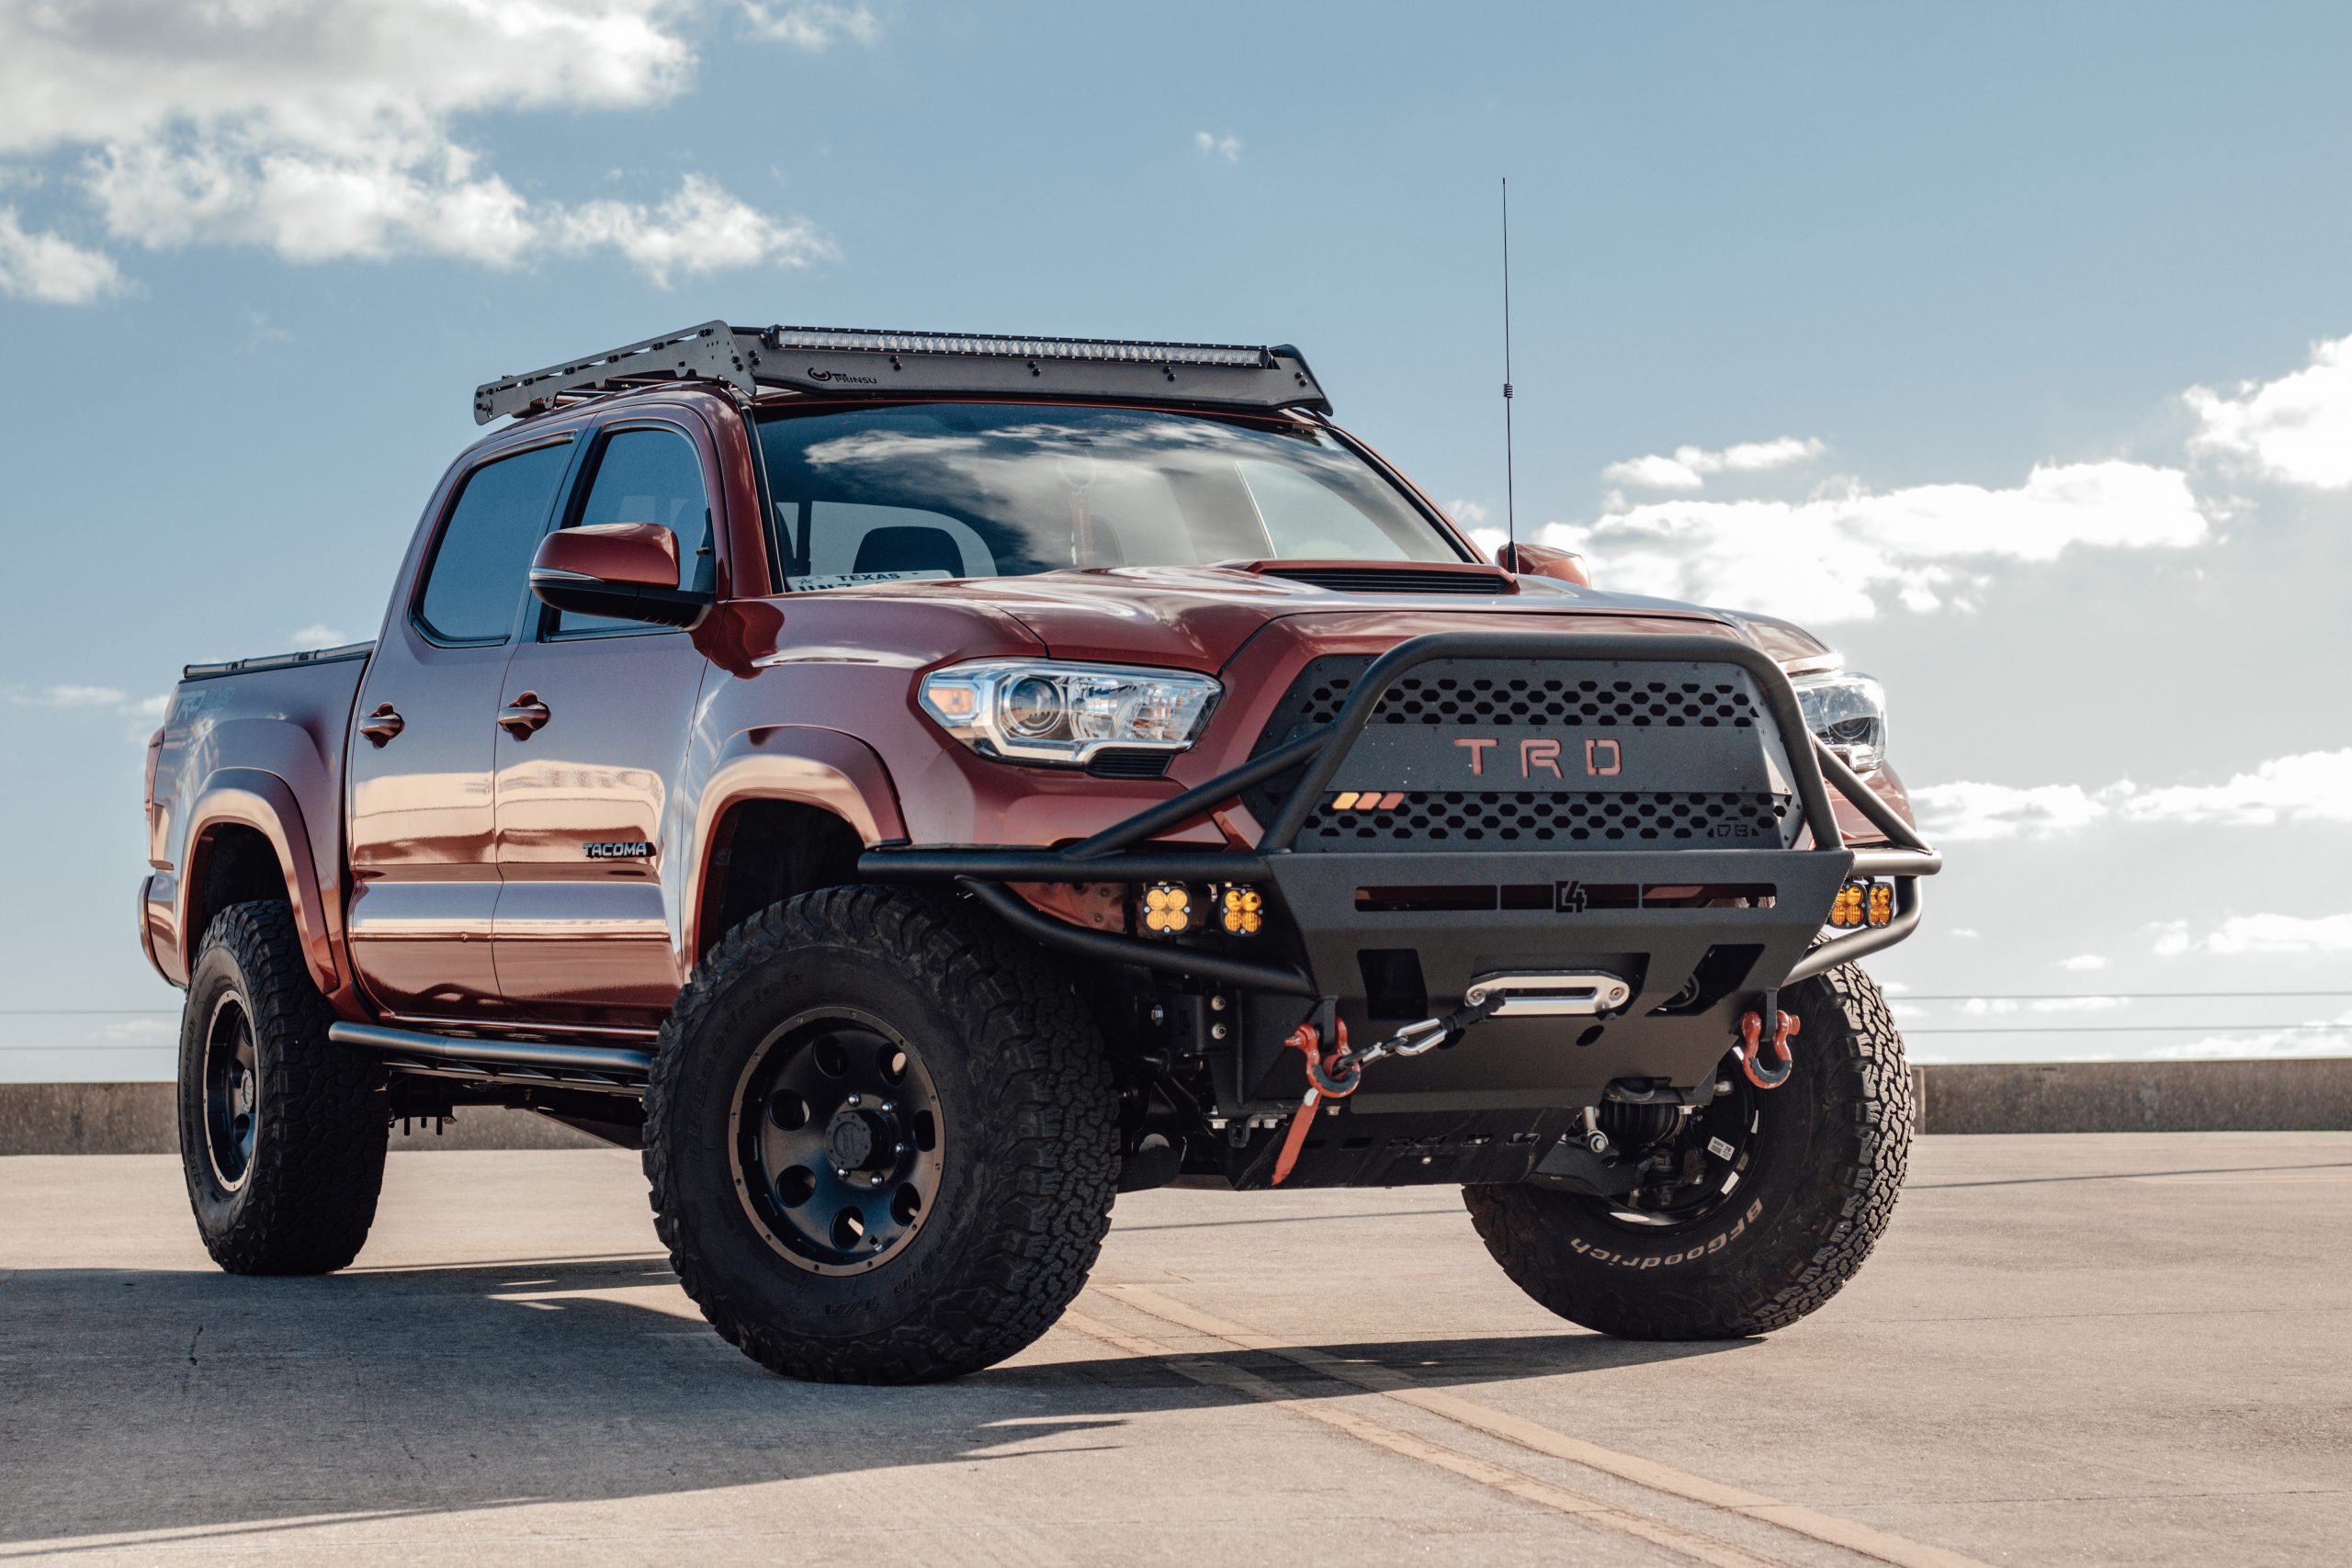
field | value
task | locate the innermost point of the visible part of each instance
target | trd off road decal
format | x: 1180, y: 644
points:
x: 1721, y: 1240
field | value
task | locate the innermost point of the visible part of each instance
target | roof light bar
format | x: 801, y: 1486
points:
x: 1098, y: 350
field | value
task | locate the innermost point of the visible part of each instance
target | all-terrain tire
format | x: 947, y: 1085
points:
x: 1026, y: 1117
x: 287, y: 1184
x: 1830, y: 1146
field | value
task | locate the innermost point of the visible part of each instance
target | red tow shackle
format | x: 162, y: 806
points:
x: 1750, y: 1051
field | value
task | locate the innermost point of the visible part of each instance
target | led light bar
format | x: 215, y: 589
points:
x: 1102, y: 351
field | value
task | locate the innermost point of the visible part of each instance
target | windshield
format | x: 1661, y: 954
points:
x: 995, y: 490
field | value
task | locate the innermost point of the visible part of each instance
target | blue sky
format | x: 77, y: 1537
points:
x: 2006, y: 345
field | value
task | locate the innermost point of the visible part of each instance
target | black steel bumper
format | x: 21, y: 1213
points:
x: 1692, y: 969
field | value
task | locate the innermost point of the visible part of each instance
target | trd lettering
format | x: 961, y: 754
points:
x: 1477, y: 754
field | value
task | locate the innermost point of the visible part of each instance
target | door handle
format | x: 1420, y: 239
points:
x: 382, y: 724
x: 523, y: 716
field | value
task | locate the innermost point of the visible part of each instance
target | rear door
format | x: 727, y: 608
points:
x: 425, y: 876
x: 596, y: 716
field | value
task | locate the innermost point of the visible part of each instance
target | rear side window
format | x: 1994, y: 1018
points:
x: 650, y: 476
x: 478, y: 571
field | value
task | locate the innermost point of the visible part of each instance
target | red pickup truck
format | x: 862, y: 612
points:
x: 916, y: 786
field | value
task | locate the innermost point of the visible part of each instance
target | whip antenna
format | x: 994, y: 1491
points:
x: 1511, y: 498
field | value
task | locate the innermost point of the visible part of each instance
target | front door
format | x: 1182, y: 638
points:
x: 594, y: 723
x: 424, y: 874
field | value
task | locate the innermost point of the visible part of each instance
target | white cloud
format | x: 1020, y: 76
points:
x: 1835, y: 558
x: 2241, y: 934
x: 52, y: 270
x: 2082, y: 963
x: 2297, y: 429
x: 1228, y: 147
x: 2312, y: 786
x: 2320, y: 1037
x: 141, y: 1029
x: 150, y: 707
x: 1469, y: 514
x: 324, y: 132
x: 69, y: 697
x: 811, y: 24
x: 1689, y: 465
x: 316, y: 635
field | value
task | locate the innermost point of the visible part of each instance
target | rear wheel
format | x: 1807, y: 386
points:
x: 1776, y: 1195
x: 882, y: 1138
x: 282, y: 1132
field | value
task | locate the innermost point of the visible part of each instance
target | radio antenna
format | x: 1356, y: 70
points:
x: 1511, y: 497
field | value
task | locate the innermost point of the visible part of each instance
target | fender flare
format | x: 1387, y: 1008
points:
x: 829, y: 769
x: 263, y: 802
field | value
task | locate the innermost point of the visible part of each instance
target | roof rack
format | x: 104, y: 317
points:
x: 864, y: 363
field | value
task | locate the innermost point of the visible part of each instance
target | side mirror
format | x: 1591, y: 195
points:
x: 1543, y: 560
x: 629, y: 570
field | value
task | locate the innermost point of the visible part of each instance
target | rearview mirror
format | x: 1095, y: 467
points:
x: 627, y: 570
x: 1543, y: 560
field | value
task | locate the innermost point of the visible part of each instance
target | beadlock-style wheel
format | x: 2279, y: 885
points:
x: 836, y: 1139
x: 232, y: 1092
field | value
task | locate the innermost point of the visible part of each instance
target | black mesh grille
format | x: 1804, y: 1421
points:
x: 1539, y: 701
x: 1456, y: 817
x: 1126, y: 762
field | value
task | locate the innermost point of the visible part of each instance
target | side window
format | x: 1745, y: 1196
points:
x: 476, y: 575
x: 648, y: 476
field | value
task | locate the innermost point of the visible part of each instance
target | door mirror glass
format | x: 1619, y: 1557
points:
x: 624, y: 570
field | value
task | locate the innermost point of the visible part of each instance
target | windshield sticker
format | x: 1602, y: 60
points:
x: 863, y: 579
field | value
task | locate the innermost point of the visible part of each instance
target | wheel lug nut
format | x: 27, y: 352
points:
x: 857, y: 1099
x: 890, y: 1105
x: 898, y: 1148
x: 875, y: 1182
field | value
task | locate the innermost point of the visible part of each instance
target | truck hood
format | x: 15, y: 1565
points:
x: 1198, y: 617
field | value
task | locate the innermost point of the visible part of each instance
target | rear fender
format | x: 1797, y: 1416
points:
x: 263, y: 802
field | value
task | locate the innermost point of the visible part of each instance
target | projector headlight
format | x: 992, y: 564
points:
x: 1033, y: 710
x: 1849, y: 713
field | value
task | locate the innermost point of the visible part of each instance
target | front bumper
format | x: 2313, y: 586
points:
x: 1699, y: 934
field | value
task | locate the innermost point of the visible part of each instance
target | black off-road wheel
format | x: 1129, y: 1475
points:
x: 1793, y: 1186
x: 882, y: 1138
x: 282, y: 1131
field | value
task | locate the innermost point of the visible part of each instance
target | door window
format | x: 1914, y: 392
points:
x: 648, y: 476
x: 479, y: 566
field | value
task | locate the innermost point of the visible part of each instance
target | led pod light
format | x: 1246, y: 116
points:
x: 1037, y: 710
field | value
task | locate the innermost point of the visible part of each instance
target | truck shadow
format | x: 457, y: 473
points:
x: 183, y: 1404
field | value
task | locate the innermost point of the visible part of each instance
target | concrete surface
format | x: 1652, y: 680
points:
x: 2117, y: 1349
x: 2309, y: 1095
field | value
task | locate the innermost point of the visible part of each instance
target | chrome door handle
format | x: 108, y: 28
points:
x: 382, y: 724
x: 523, y: 716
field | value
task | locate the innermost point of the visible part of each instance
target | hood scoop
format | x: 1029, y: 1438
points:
x: 1404, y: 576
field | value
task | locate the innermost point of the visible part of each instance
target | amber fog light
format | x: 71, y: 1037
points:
x: 1846, y: 911
x: 1166, y: 908
x: 1243, y: 912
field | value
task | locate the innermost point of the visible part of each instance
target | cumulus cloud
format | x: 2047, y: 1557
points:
x: 2297, y: 429
x: 318, y: 634
x: 2317, y: 1037
x: 1688, y: 468
x: 1838, y: 556
x: 324, y: 132
x: 2240, y: 934
x: 2082, y: 963
x: 50, y: 269
x: 813, y: 24
x: 2312, y: 786
x: 69, y: 697
x: 1226, y: 147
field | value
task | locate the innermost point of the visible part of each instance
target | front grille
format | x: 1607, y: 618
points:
x: 1538, y: 701
x: 1587, y: 818
x: 1396, y: 579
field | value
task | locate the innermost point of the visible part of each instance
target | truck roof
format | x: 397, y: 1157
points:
x: 866, y: 362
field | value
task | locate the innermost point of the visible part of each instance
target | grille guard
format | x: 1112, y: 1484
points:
x: 1109, y: 855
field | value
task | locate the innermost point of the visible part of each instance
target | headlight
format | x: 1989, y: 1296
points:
x: 1849, y: 712
x: 1027, y: 710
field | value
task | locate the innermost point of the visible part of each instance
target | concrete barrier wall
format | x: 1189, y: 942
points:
x: 2309, y: 1095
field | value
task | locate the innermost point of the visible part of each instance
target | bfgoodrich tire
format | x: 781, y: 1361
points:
x: 282, y: 1132
x: 882, y: 1138
x: 1819, y: 1167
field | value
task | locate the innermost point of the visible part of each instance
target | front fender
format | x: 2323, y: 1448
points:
x: 828, y: 769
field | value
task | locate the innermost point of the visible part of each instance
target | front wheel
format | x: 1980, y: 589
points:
x: 1789, y: 1190
x: 882, y: 1138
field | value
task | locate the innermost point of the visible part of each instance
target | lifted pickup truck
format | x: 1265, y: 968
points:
x: 916, y: 786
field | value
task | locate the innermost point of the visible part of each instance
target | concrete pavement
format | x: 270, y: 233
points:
x: 2118, y: 1350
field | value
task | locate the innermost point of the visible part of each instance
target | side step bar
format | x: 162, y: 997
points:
x: 537, y: 1056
